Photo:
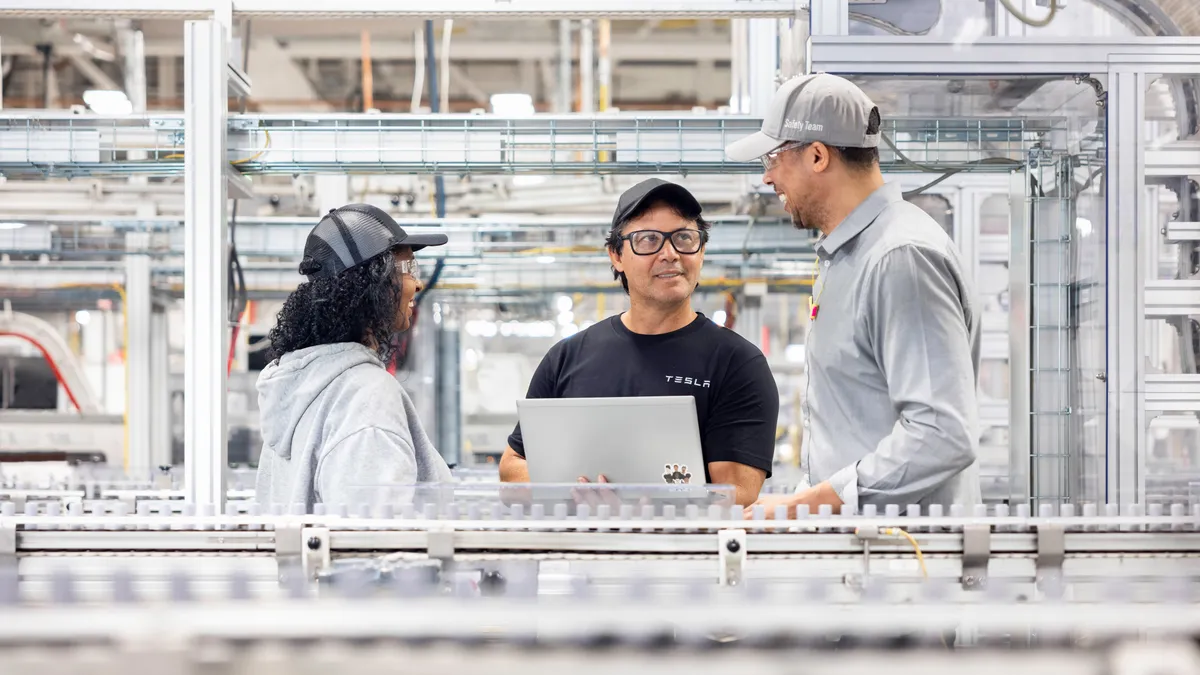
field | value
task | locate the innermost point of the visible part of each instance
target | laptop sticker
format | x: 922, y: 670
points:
x: 676, y: 474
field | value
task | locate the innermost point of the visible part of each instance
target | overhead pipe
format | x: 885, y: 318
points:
x: 447, y: 33
x: 133, y: 49
x: 587, y: 75
x: 47, y: 340
x: 46, y: 50
x: 418, y: 70
x: 605, y: 70
x: 368, y: 75
x: 565, y: 67
x: 439, y: 182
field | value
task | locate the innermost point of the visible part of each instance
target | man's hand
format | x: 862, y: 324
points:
x: 594, y: 497
x: 814, y: 497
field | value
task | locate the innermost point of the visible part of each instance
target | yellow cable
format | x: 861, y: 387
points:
x: 245, y: 160
x: 897, y: 532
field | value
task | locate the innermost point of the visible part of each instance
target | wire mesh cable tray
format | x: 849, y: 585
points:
x: 58, y: 144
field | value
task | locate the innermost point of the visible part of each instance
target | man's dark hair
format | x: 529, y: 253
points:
x: 861, y: 159
x: 614, y: 241
x: 358, y: 305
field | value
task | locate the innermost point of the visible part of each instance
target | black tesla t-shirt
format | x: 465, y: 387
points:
x: 737, y: 400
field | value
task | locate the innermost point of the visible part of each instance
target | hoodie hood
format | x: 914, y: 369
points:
x: 287, y: 387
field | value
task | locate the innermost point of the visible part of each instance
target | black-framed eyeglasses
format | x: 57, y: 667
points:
x: 649, y: 242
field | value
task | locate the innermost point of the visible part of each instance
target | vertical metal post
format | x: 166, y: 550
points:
x: 737, y: 66
x: 133, y: 47
x: 1018, y: 356
x: 587, y: 71
x: 564, y: 66
x: 206, y: 287
x: 1126, y: 280
x: 829, y: 17
x: 762, y: 63
x: 605, y: 65
x: 448, y: 387
x: 161, y: 439
x: 138, y: 355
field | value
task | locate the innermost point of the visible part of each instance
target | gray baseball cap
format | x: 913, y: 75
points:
x: 809, y: 108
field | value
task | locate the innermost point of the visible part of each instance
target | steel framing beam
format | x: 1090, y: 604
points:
x: 1020, y: 381
x: 1173, y: 393
x: 448, y: 9
x: 829, y: 17
x: 139, y: 351
x: 1181, y: 158
x: 205, y: 259
x: 1126, y: 280
x: 1169, y: 298
x: 908, y: 57
x: 1180, y: 231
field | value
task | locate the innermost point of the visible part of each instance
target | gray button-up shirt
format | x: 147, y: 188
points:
x: 891, y: 415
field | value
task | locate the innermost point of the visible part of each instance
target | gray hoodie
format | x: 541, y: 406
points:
x: 337, y: 428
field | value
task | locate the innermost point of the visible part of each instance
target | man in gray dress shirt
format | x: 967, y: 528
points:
x: 890, y: 415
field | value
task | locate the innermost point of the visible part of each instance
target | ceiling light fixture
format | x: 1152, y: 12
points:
x: 107, y: 102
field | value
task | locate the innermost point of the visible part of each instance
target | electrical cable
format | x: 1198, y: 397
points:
x: 912, y: 541
x: 1033, y: 23
x: 946, y: 171
x: 50, y: 361
x: 439, y: 184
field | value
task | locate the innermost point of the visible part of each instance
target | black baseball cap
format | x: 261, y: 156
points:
x: 353, y: 234
x: 634, y: 198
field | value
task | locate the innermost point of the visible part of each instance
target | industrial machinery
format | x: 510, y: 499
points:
x: 1062, y: 167
x: 618, y: 577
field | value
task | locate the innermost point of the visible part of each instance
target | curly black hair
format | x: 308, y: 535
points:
x: 614, y: 242
x: 358, y: 305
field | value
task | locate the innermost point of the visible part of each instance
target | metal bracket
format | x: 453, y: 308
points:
x: 977, y: 550
x: 239, y: 81
x: 289, y: 547
x: 1051, y: 551
x: 1180, y: 231
x: 315, y: 559
x: 731, y: 552
x: 8, y: 540
x: 440, y: 542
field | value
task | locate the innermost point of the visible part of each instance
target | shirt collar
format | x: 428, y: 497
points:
x: 858, y: 220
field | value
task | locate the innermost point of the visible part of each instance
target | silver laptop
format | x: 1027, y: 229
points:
x: 631, y: 440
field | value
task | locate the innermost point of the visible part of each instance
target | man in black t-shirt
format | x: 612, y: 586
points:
x: 662, y: 347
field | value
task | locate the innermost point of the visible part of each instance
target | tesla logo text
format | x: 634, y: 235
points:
x: 690, y: 381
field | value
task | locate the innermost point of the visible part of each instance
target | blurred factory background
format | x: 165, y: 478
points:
x: 513, y: 136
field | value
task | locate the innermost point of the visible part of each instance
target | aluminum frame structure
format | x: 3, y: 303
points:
x: 1124, y: 66
x: 448, y: 9
x: 62, y: 144
x: 635, y: 550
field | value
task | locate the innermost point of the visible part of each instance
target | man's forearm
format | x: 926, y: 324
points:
x: 746, y: 480
x: 513, y: 468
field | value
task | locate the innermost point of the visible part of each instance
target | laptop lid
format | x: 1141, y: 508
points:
x: 631, y: 440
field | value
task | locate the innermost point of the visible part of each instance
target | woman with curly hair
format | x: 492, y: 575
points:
x: 337, y: 427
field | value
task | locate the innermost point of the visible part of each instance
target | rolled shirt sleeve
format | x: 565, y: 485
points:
x: 913, y: 313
